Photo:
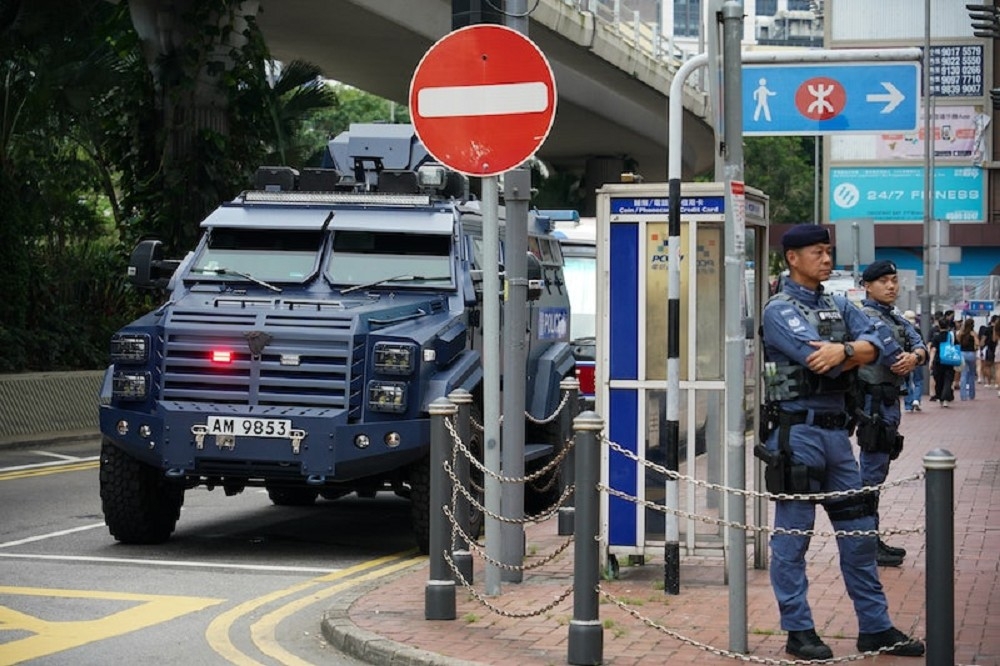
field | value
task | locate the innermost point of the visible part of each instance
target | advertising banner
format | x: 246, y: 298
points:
x: 896, y: 194
x: 959, y: 133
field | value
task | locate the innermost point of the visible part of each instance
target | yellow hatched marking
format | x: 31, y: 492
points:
x: 49, y: 637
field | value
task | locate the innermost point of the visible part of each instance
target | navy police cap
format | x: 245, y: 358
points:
x: 877, y: 269
x: 804, y: 235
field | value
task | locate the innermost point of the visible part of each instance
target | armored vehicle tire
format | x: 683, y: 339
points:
x: 140, y: 506
x: 291, y: 496
x: 420, y: 488
x: 331, y: 495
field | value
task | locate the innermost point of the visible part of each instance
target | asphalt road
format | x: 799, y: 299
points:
x: 240, y: 582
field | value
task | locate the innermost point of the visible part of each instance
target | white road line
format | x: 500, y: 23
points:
x: 50, y: 535
x: 489, y: 100
x: 55, y: 463
x: 59, y: 456
x: 170, y: 563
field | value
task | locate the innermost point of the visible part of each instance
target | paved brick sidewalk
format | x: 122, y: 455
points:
x: 385, y: 624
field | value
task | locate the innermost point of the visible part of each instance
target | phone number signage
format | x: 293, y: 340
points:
x: 956, y: 70
x: 896, y: 194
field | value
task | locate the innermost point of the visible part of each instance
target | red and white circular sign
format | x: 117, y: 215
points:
x: 483, y: 99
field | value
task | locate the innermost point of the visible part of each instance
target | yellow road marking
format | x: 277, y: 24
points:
x: 45, y: 471
x: 218, y: 630
x: 49, y: 637
x: 264, y: 631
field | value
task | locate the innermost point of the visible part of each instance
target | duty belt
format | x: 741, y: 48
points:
x: 825, y: 420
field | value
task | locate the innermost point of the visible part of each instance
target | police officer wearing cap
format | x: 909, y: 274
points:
x: 879, y: 387
x: 812, y: 341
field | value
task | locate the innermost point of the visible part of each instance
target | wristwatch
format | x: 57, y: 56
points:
x: 848, y: 350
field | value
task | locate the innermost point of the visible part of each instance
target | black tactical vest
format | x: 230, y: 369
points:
x: 786, y: 380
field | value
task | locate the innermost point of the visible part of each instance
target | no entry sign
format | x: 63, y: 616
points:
x: 483, y: 99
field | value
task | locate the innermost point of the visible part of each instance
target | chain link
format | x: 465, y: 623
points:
x: 811, y: 497
x: 753, y: 528
x: 499, y: 611
x: 537, y: 474
x: 719, y: 652
x: 475, y: 503
x: 475, y: 545
x: 548, y: 419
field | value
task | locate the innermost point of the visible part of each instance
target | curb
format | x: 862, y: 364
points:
x: 345, y: 636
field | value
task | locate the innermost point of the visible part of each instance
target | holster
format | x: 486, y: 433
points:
x: 877, y: 436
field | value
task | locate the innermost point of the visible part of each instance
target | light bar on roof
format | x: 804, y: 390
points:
x: 256, y: 196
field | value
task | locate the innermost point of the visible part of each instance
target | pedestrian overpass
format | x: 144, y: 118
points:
x: 612, y: 73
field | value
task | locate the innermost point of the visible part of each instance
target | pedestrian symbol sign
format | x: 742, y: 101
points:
x: 830, y: 98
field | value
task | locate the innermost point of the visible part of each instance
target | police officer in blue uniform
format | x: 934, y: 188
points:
x: 879, y: 387
x: 811, y: 342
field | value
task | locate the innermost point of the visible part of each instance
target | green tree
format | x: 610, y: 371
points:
x: 782, y: 167
x: 352, y: 106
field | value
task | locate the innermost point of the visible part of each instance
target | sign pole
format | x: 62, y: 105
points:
x: 517, y: 192
x: 491, y: 378
x: 735, y: 263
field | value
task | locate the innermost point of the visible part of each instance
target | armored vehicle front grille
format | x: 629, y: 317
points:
x: 309, y: 360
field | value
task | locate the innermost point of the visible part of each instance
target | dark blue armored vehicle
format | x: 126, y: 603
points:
x: 304, y: 338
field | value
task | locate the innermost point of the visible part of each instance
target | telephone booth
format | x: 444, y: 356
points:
x: 633, y: 277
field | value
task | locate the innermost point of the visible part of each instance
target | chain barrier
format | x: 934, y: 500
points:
x: 753, y: 528
x: 543, y: 421
x: 719, y: 652
x: 475, y: 546
x: 496, y: 609
x: 811, y: 497
x: 537, y: 474
x: 475, y: 503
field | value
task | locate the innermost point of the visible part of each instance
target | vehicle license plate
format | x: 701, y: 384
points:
x: 249, y: 427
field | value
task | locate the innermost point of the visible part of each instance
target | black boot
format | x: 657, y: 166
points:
x: 892, y: 550
x: 905, y: 646
x: 806, y: 644
x: 884, y: 558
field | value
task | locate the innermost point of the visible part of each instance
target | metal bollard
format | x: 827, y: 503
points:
x: 586, y: 635
x: 460, y: 553
x: 939, y: 466
x: 439, y: 594
x: 567, y: 473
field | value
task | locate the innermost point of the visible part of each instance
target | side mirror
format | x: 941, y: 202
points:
x: 536, y: 278
x: 147, y: 269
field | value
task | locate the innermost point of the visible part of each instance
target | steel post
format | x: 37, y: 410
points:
x: 517, y: 193
x: 735, y: 263
x: 460, y: 554
x: 567, y: 474
x: 586, y: 634
x: 939, y: 466
x: 439, y: 594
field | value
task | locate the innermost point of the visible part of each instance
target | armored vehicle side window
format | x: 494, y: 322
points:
x: 363, y: 257
x: 276, y: 255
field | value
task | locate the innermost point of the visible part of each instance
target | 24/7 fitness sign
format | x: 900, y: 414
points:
x: 830, y: 98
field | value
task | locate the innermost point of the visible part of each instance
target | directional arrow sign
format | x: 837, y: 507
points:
x: 830, y: 98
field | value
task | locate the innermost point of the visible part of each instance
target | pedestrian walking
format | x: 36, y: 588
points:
x: 968, y: 343
x: 879, y: 388
x: 812, y: 340
x: 915, y: 380
x: 988, y: 351
x: 943, y: 373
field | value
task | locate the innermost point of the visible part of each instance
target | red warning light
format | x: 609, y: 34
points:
x: 222, y: 356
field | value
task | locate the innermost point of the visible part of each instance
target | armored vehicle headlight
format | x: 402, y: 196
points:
x: 393, y: 358
x: 130, y: 348
x: 130, y: 385
x: 387, y: 397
